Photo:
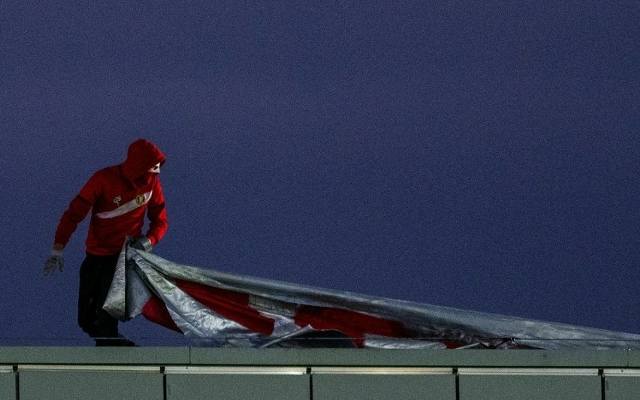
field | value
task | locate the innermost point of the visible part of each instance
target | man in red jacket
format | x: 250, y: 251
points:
x: 118, y: 197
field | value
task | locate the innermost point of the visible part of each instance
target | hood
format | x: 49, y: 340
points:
x: 141, y: 156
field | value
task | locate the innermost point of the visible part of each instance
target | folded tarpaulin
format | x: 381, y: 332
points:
x: 221, y: 309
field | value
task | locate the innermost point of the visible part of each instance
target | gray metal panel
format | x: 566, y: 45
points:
x: 384, y: 387
x: 410, y: 358
x: 94, y: 355
x: 622, y: 388
x: 94, y: 385
x: 237, y: 387
x: 316, y: 357
x: 634, y: 359
x: 491, y: 387
x: 7, y: 386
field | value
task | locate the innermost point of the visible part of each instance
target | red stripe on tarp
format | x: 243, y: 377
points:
x: 229, y: 304
x: 451, y: 344
x: 352, y: 323
x: 155, y: 311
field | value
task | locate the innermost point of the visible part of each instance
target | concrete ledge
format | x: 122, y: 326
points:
x: 95, y: 355
x: 171, y: 373
x: 634, y: 358
x: 168, y: 356
x: 410, y: 358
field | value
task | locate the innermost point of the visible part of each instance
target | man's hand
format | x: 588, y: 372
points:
x: 141, y: 243
x: 55, y: 261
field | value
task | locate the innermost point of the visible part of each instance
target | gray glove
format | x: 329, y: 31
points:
x: 141, y: 243
x: 55, y: 261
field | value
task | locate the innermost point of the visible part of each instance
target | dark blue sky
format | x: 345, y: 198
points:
x: 480, y: 155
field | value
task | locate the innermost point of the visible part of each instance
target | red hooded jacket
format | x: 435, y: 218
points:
x: 118, y: 197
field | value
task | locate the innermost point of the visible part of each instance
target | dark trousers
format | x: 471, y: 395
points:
x: 96, y: 274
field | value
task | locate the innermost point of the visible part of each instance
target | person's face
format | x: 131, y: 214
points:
x: 155, y: 169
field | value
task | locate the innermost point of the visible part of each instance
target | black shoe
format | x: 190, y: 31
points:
x: 126, y: 343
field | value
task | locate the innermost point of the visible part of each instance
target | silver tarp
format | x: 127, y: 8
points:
x: 144, y: 279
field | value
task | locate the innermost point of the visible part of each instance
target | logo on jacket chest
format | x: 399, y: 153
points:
x: 125, y: 203
x: 139, y: 200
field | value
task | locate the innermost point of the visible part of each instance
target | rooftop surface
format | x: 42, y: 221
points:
x: 171, y: 373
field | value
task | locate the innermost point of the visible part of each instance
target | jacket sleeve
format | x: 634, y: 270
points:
x: 78, y: 209
x: 157, y: 214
